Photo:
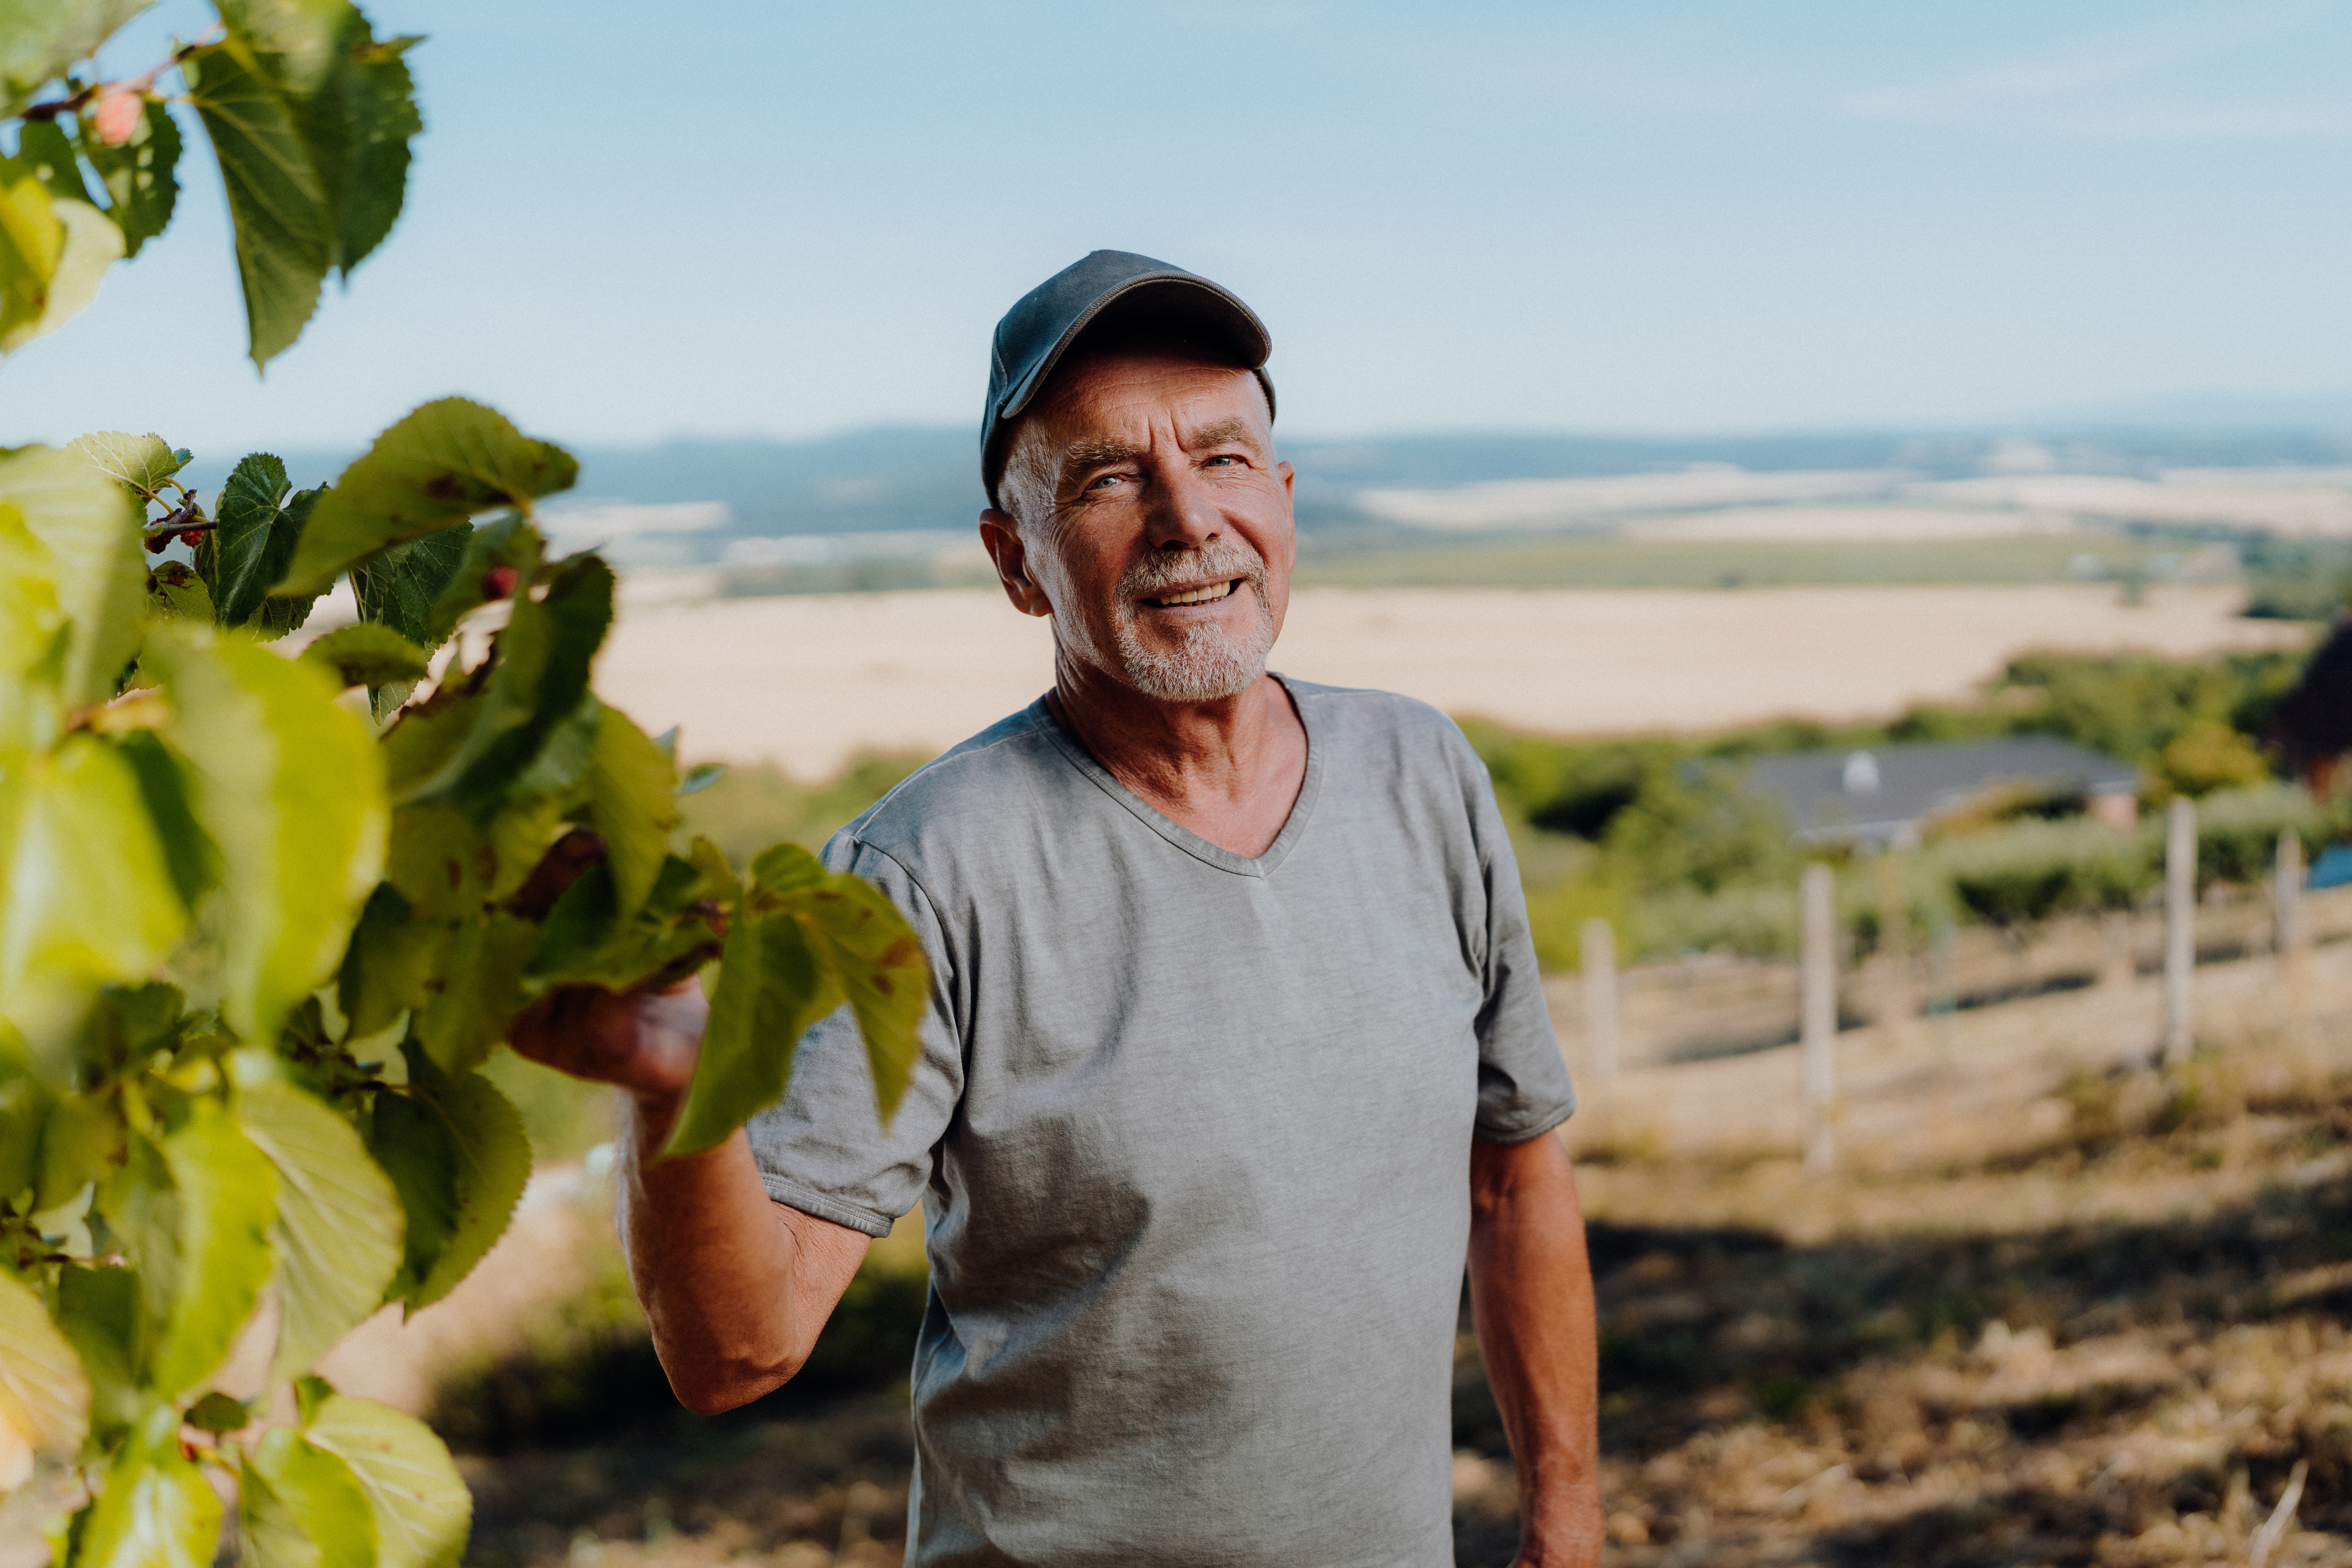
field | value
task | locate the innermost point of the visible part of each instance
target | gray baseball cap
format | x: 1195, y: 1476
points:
x: 1108, y: 286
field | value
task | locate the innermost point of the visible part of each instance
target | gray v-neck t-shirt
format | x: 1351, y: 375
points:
x: 1191, y: 1133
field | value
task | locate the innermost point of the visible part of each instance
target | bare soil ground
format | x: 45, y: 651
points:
x: 806, y: 682
x: 2055, y: 1307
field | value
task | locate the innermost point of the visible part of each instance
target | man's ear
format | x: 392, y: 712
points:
x: 1000, y: 535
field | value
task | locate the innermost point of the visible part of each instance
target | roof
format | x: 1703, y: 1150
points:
x: 1884, y: 793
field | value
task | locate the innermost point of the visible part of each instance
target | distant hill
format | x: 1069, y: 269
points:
x: 920, y: 480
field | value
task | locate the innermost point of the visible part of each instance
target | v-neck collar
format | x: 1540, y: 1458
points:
x: 1174, y: 832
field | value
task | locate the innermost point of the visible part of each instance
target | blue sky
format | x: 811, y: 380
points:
x: 632, y: 221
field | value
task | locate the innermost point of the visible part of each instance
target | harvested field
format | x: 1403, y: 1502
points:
x: 806, y: 682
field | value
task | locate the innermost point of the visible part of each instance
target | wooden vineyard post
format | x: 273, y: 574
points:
x: 2180, y: 926
x: 1817, y: 1001
x: 1898, y: 1000
x: 1600, y: 1002
x: 2288, y: 940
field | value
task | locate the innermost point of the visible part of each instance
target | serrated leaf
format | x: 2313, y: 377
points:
x: 290, y: 787
x: 481, y: 989
x: 443, y: 465
x: 140, y: 463
x: 366, y: 654
x: 391, y: 959
x: 189, y: 853
x: 174, y: 592
x: 275, y: 203
x: 217, y: 1411
x: 339, y: 1221
x: 423, y: 1511
x: 42, y: 37
x: 43, y: 146
x: 416, y: 1148
x: 701, y: 777
x: 536, y: 686
x: 89, y: 526
x: 140, y: 176
x: 257, y: 532
x: 227, y: 1199
x: 399, y: 587
x: 492, y: 1166
x: 88, y: 897
x: 299, y: 1506
x: 156, y: 1511
x: 772, y: 987
x: 717, y: 875
x: 509, y: 542
x: 633, y: 805
x: 875, y: 957
x: 44, y: 1392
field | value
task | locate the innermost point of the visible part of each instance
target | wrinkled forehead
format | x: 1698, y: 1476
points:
x: 1130, y: 394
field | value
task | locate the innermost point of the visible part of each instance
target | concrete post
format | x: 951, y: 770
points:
x: 2179, y: 925
x: 1601, y: 1001
x: 1818, y: 1014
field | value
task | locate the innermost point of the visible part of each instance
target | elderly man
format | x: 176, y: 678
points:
x: 1237, y: 1047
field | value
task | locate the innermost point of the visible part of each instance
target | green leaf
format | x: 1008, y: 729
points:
x: 772, y: 987
x: 701, y: 777
x: 157, y: 1511
x: 337, y: 1230
x: 100, y: 1309
x: 367, y: 654
x: 139, y: 463
x: 217, y: 1411
x: 89, y: 896
x: 290, y: 787
x: 417, y: 1150
x: 141, y: 1204
x: 140, y: 176
x: 228, y: 1198
x: 258, y: 530
x: 43, y: 146
x: 492, y: 1166
x: 89, y: 526
x: 509, y: 542
x: 275, y: 203
x: 299, y: 1506
x: 537, y: 683
x: 44, y: 1392
x: 189, y: 852
x: 54, y: 252
x: 422, y: 1509
x: 390, y: 960
x: 174, y: 592
x: 481, y: 990
x: 633, y: 803
x: 400, y: 586
x: 718, y: 877
x: 442, y: 465
x: 873, y: 954
x: 41, y: 37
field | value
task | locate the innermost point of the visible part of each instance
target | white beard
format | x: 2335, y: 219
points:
x: 1210, y: 664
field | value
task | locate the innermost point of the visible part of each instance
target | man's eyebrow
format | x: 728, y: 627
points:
x: 1081, y: 456
x: 1223, y: 433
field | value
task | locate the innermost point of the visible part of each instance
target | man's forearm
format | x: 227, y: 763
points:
x: 1532, y: 1293
x: 735, y: 1290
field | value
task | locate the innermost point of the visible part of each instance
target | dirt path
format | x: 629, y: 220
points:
x: 805, y: 681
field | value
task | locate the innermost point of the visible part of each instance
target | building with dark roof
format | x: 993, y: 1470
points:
x: 1886, y: 794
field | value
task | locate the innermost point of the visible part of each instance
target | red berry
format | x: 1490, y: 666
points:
x: 156, y: 541
x: 499, y: 582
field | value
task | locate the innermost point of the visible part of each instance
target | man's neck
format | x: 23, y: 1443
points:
x: 1229, y: 770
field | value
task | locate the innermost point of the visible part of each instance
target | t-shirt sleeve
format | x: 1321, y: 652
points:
x: 822, y: 1149
x: 1523, y: 1082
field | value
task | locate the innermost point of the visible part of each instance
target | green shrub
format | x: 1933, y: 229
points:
x: 2030, y: 870
x: 2237, y: 830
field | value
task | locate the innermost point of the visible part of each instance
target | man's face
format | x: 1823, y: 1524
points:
x: 1164, y: 553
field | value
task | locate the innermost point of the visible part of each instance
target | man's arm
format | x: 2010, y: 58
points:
x: 735, y: 1285
x: 1532, y: 1293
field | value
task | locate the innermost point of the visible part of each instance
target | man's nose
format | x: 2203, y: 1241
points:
x: 1183, y: 514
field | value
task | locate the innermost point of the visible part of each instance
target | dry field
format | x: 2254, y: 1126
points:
x: 2055, y: 1307
x: 806, y: 682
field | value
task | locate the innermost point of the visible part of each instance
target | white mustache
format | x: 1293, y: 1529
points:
x: 1218, y: 558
